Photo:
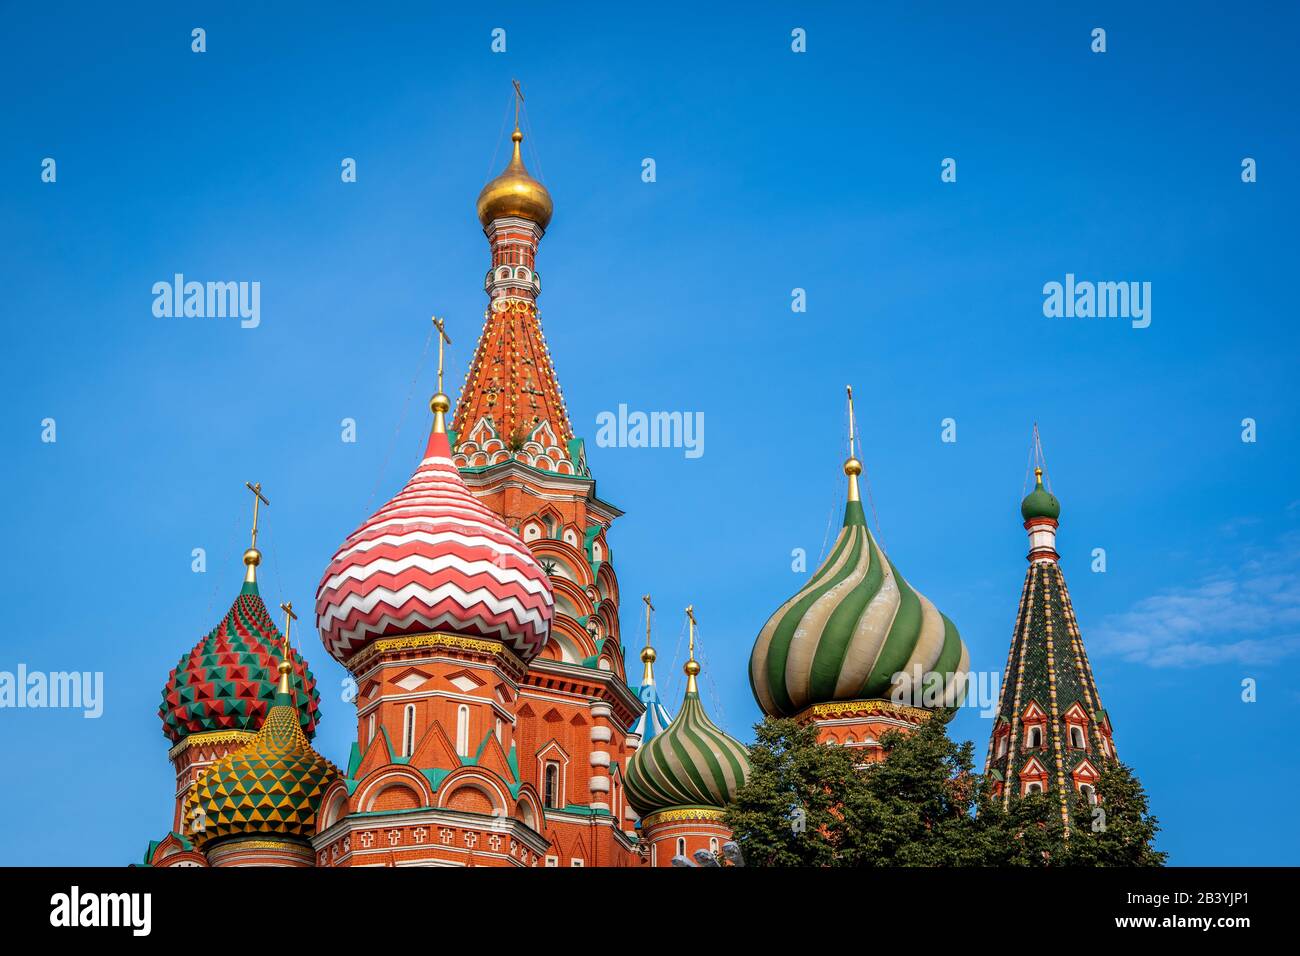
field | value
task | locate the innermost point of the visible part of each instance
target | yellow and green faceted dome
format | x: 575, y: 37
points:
x: 271, y: 787
x: 854, y: 626
x: 691, y: 763
x: 228, y: 680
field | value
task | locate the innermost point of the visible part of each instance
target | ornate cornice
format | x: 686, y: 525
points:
x: 838, y: 709
x: 211, y: 737
x: 682, y: 815
x: 434, y: 639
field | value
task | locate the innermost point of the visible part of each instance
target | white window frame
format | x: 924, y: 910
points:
x: 408, y: 730
x: 462, y: 730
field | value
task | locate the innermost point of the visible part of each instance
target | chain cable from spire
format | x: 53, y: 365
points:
x: 401, y: 420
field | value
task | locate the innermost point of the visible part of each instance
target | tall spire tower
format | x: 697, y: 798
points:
x: 478, y: 612
x: 1051, y: 734
x: 511, y: 405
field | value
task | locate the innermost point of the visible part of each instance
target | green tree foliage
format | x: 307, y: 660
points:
x: 922, y: 805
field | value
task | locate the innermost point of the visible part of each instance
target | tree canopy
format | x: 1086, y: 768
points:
x: 807, y: 804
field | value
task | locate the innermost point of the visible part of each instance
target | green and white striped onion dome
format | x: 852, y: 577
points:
x: 855, y: 631
x: 689, y: 764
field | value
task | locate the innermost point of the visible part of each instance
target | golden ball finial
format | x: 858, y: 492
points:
x: 692, y: 668
x: 853, y: 467
x: 252, y: 557
x: 648, y: 656
x: 285, y: 666
x: 440, y: 403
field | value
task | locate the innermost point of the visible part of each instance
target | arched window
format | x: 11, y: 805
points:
x: 1002, y: 746
x: 1077, y: 740
x: 1035, y: 738
x: 500, y: 739
x: 1034, y: 787
x: 408, y: 731
x: 370, y: 728
x: 713, y: 845
x: 462, y: 731
x: 1089, y: 793
x: 681, y: 846
x: 551, y: 785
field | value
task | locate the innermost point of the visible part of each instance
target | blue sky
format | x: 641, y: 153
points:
x: 775, y: 171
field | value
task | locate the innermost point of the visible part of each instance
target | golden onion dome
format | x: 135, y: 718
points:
x: 515, y: 193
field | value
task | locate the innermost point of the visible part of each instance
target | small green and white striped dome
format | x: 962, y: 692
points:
x: 690, y: 764
x: 853, y: 627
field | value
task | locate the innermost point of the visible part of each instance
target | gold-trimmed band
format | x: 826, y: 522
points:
x: 682, y: 814
x: 482, y: 645
x: 848, y: 708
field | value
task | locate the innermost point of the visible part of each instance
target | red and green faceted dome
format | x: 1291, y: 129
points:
x: 228, y: 681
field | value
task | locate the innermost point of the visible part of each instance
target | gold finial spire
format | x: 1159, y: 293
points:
x: 692, y: 667
x: 1038, y: 474
x: 852, y: 467
x: 253, y: 557
x: 440, y: 404
x: 648, y: 656
x: 515, y: 192
x: 285, y: 664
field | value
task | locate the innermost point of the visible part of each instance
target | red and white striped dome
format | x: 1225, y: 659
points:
x: 434, y: 559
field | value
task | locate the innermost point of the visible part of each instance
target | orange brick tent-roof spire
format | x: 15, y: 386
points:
x: 511, y: 405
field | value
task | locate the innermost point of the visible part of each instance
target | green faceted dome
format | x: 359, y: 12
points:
x: 852, y: 629
x: 689, y: 764
x: 1040, y: 503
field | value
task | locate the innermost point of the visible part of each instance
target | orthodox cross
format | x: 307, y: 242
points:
x: 519, y: 100
x: 286, y: 663
x: 442, y: 338
x: 690, y: 615
x: 849, y: 389
x: 289, y: 618
x: 1039, y: 458
x: 256, y: 489
x: 648, y: 608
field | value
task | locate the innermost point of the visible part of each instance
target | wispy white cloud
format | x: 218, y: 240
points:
x: 1249, y: 614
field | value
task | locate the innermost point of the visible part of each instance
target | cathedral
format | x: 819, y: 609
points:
x: 477, y: 613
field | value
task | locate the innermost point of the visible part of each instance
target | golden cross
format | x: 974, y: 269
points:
x: 519, y: 99
x: 648, y: 608
x: 442, y: 337
x: 289, y: 618
x: 690, y: 614
x: 286, y: 659
x: 849, y: 389
x: 256, y: 489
